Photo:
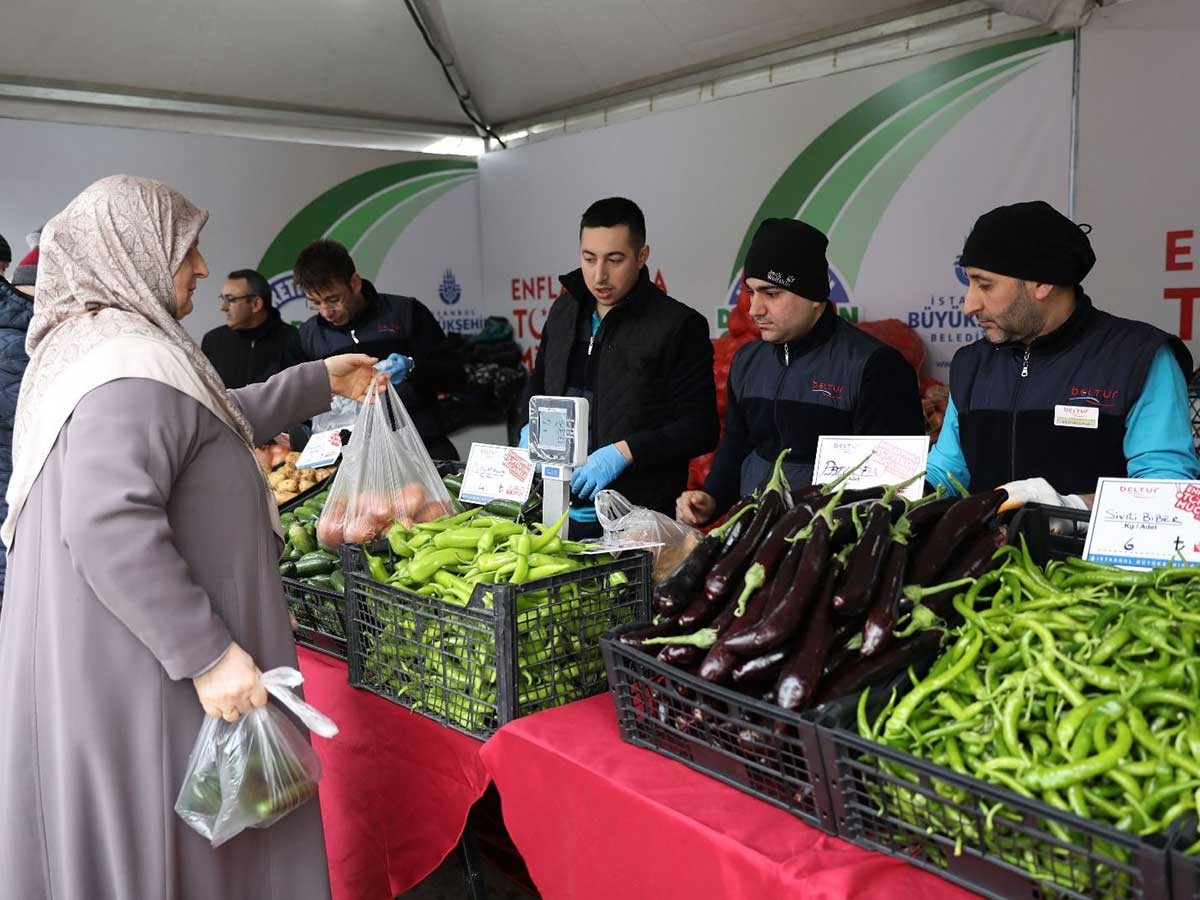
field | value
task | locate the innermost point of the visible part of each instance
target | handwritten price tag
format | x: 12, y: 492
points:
x: 1140, y: 523
x: 892, y: 460
x: 496, y: 473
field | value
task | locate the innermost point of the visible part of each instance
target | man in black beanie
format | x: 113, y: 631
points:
x: 1060, y: 394
x: 811, y: 374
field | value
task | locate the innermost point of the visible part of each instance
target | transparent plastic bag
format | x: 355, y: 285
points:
x: 386, y: 475
x: 342, y: 414
x: 622, y: 521
x: 252, y: 772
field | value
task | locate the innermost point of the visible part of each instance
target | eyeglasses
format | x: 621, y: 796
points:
x: 318, y: 305
x: 222, y: 299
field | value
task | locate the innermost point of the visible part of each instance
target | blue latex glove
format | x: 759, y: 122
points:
x: 523, y: 443
x: 585, y: 514
x: 600, y: 470
x: 398, y: 368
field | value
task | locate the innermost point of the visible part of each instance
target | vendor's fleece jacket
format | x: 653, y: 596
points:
x: 15, y: 312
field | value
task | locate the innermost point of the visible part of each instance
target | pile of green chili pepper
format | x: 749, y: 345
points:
x: 1077, y: 685
x: 445, y: 662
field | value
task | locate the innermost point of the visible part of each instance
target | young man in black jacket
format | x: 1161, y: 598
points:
x: 354, y: 317
x: 811, y: 374
x: 252, y: 344
x: 642, y: 359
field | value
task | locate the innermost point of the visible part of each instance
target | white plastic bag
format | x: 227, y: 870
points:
x: 386, y: 475
x: 252, y: 772
x: 622, y: 521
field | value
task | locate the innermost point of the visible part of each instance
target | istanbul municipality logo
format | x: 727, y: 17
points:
x: 449, y: 290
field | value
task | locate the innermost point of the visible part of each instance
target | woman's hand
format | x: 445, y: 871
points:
x: 351, y: 374
x: 232, y: 687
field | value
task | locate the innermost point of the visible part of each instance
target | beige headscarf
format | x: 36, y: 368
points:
x: 104, y: 308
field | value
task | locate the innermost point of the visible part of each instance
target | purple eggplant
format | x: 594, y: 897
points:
x: 954, y: 529
x: 975, y: 559
x: 673, y: 593
x: 757, y: 669
x: 780, y: 623
x: 768, y: 555
x: 852, y: 596
x: 665, y: 628
x: 885, y: 609
x: 801, y: 673
x: 861, y: 671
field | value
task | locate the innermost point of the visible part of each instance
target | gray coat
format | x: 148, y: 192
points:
x: 143, y: 549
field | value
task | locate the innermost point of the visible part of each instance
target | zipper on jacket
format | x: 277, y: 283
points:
x: 1012, y: 462
x: 353, y: 336
x: 787, y: 361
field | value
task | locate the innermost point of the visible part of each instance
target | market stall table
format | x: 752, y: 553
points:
x: 595, y: 817
x: 396, y: 787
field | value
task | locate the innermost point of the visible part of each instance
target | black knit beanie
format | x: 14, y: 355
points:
x: 790, y: 254
x: 1031, y: 241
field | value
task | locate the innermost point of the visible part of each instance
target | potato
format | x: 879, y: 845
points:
x: 288, y: 484
x: 275, y: 477
x: 282, y: 497
x: 323, y: 474
x: 292, y: 457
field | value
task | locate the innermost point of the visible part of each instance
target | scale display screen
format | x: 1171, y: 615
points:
x: 554, y: 430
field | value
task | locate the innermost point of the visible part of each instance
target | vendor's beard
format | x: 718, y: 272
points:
x: 1023, y: 321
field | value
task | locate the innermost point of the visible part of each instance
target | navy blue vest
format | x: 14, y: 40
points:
x: 790, y: 394
x: 1006, y: 418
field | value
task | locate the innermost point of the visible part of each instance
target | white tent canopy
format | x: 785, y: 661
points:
x: 359, y: 72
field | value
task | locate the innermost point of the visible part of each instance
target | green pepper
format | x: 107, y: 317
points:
x: 448, y: 522
x: 462, y: 538
x: 376, y: 567
x: 421, y: 569
x: 523, y: 546
x: 549, y: 534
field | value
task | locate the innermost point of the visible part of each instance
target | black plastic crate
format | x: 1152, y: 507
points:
x: 935, y: 818
x: 752, y: 745
x: 1051, y: 532
x: 476, y: 668
x: 320, y: 616
x: 1185, y: 867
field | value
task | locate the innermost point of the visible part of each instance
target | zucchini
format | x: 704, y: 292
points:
x: 316, y: 563
x: 453, y: 484
x: 325, y: 582
x: 287, y: 568
x: 506, y: 508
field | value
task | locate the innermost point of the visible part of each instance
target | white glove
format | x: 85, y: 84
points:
x: 1037, y: 490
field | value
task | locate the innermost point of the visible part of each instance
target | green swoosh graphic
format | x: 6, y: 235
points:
x: 315, y: 219
x: 826, y: 202
x: 809, y: 169
x: 370, y: 252
x: 352, y: 227
x: 856, y: 224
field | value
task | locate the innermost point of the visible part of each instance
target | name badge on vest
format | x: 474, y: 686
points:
x: 1076, y: 416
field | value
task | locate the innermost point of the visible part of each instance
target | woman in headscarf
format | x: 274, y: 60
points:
x: 142, y: 586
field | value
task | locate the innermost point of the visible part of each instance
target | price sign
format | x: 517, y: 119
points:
x: 496, y: 473
x: 890, y: 460
x: 1140, y: 523
x: 322, y: 449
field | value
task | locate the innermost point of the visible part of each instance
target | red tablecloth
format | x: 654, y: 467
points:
x: 396, y: 788
x: 595, y: 817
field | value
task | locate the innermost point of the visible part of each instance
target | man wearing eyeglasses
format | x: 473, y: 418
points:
x: 352, y: 316
x: 252, y: 344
